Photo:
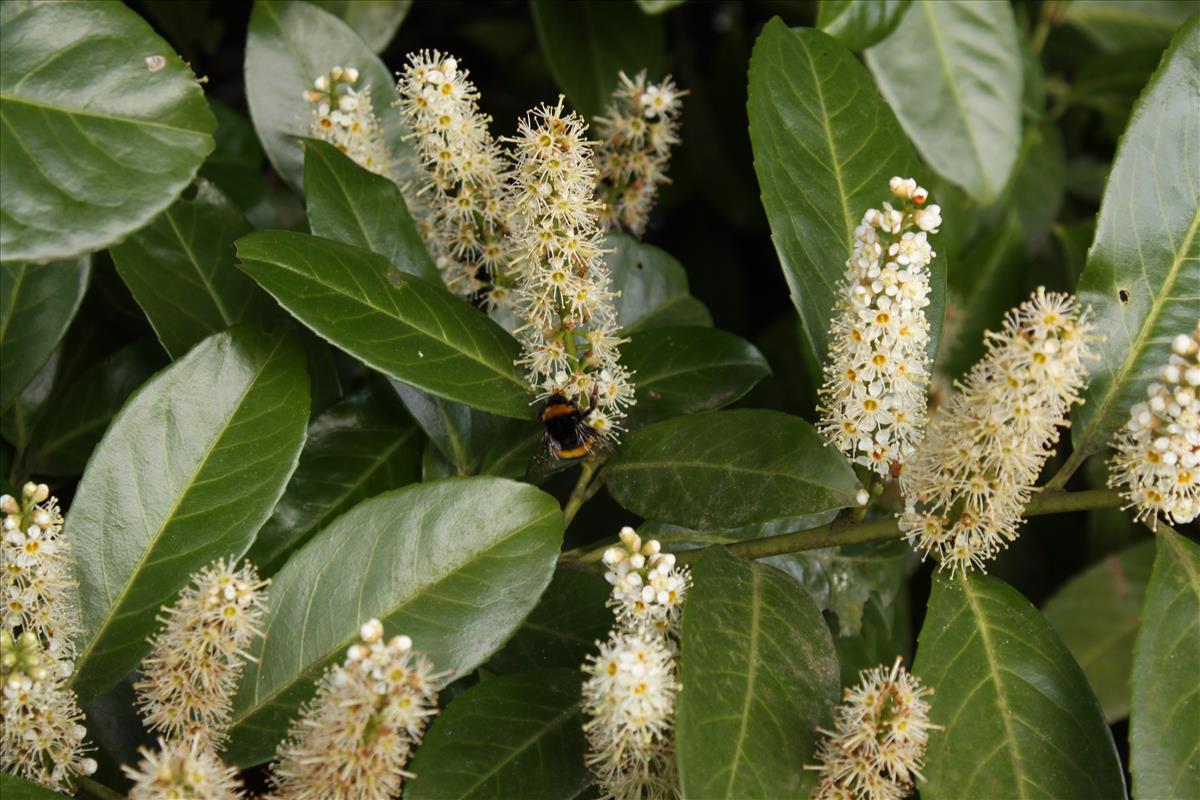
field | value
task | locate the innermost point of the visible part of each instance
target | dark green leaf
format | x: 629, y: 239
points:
x: 588, y: 42
x: 187, y: 472
x: 348, y: 204
x: 1096, y: 614
x: 97, y: 139
x: 408, y: 329
x: 180, y: 270
x: 729, y: 468
x: 1130, y: 23
x: 455, y: 564
x: 14, y: 788
x: 511, y: 448
x: 78, y: 413
x: 1142, y: 277
x: 1111, y: 82
x: 685, y: 370
x: 360, y: 447
x: 886, y: 632
x: 515, y: 737
x: 858, y: 24
x: 376, y: 21
x: 1019, y: 719
x: 651, y: 287
x: 288, y: 45
x: 760, y: 674
x: 563, y: 628
x: 22, y: 415
x: 1164, y: 732
x: 37, y: 303
x: 821, y: 163
x: 460, y: 433
x: 952, y: 73
x: 1039, y: 180
x: 235, y: 165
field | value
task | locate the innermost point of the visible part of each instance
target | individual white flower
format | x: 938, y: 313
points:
x: 179, y: 770
x: 192, y: 672
x: 629, y: 700
x: 877, y: 747
x: 873, y: 399
x: 967, y: 488
x: 354, y: 738
x: 637, y: 132
x: 648, y: 587
x: 1157, y: 459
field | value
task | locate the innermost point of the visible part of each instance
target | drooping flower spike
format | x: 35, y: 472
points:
x: 966, y: 491
x: 1157, y: 461
x: 874, y: 396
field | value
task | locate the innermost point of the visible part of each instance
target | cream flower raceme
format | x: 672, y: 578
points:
x: 189, y: 678
x: 180, y: 770
x: 966, y: 490
x: 874, y: 396
x: 648, y: 588
x: 569, y: 328
x: 343, y: 117
x: 637, y: 132
x: 354, y: 738
x: 1157, y: 460
x: 877, y: 747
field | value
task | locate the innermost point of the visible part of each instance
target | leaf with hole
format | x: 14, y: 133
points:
x: 760, y: 675
x: 1018, y: 718
x: 724, y: 469
x: 97, y: 138
x: 406, y: 328
x: 455, y: 564
x: 176, y: 483
x: 512, y: 737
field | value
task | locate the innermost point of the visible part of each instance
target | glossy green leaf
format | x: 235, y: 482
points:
x: 361, y: 447
x: 96, y: 139
x: 1164, y: 732
x: 455, y: 564
x: 821, y: 163
x: 1142, y: 277
x: 348, y: 204
x: 187, y: 472
x: 180, y: 270
x: 23, y: 413
x: 1018, y: 717
x: 376, y: 21
x: 588, y: 42
x: 858, y: 24
x: 408, y: 329
x: 514, y: 737
x: 1129, y: 23
x: 952, y: 73
x: 685, y: 370
x: 460, y: 433
x: 728, y: 468
x: 14, y: 788
x: 564, y: 626
x: 37, y: 303
x: 651, y: 287
x: 78, y: 413
x: 760, y: 674
x: 287, y: 46
x: 1097, y: 613
x: 511, y: 448
x: 235, y: 165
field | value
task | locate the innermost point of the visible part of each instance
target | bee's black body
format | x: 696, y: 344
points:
x: 568, y: 437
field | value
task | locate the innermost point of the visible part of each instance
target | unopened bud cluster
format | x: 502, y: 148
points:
x: 192, y: 672
x: 1157, y: 460
x: 178, y: 770
x: 569, y: 331
x: 877, y: 747
x: 353, y: 739
x: 639, y: 128
x: 343, y: 117
x: 873, y: 399
x: 648, y: 587
x: 977, y: 468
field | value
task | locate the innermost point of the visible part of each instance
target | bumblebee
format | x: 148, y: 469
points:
x: 568, y: 438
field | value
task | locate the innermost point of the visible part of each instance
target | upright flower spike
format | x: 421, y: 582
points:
x: 877, y: 747
x: 873, y: 399
x: 195, y: 662
x: 464, y: 179
x: 648, y: 588
x: 569, y: 331
x: 977, y: 468
x: 629, y: 699
x: 1157, y: 460
x: 354, y: 738
x: 639, y: 128
x: 181, y: 770
x: 37, y: 581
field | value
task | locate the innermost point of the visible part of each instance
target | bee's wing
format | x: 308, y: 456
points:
x: 602, y: 448
x: 545, y: 461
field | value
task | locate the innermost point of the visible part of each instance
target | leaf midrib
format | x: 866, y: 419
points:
x: 563, y: 717
x: 12, y: 98
x: 751, y: 673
